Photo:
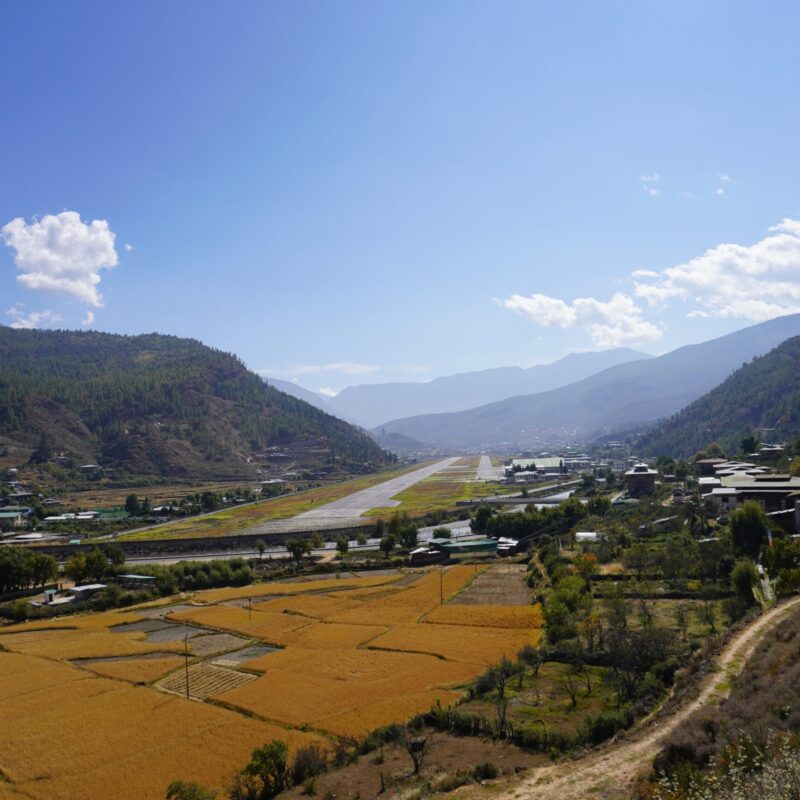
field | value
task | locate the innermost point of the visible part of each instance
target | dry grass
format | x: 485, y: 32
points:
x: 68, y: 735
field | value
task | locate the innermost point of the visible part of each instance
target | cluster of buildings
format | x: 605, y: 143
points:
x: 545, y: 467
x: 727, y: 484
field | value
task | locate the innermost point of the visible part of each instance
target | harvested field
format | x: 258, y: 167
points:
x: 195, y: 741
x: 216, y: 643
x: 205, y: 680
x: 503, y: 584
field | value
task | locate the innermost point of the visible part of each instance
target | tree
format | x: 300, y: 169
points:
x: 749, y: 444
x: 342, y: 546
x: 409, y: 536
x: 380, y: 528
x: 317, y: 541
x: 387, y: 544
x: 682, y: 618
x: 748, y: 529
x: 180, y: 790
x: 481, y: 518
x: 795, y: 467
x: 268, y: 770
x: 637, y: 559
x: 261, y: 546
x: 43, y: 452
x: 744, y: 578
x: 132, y: 505
x: 297, y: 549
x: 585, y: 565
x: 598, y: 506
x: 417, y: 747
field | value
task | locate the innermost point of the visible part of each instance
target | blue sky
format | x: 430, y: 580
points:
x: 350, y: 192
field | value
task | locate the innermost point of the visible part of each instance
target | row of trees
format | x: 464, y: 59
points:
x: 21, y: 568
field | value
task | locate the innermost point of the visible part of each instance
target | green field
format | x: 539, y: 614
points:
x: 236, y: 520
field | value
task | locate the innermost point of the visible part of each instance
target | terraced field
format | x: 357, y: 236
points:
x: 338, y: 657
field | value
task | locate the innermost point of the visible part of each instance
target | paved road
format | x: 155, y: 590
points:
x: 486, y: 472
x: 357, y: 504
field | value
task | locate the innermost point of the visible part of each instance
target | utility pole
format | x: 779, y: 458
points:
x: 249, y: 609
x: 186, y: 661
x: 441, y: 586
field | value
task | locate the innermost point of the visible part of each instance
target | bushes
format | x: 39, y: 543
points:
x: 602, y: 726
x: 484, y: 771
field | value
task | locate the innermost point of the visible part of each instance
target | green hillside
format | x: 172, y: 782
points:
x: 762, y: 394
x: 159, y: 405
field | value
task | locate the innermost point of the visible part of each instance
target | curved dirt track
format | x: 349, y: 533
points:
x: 609, y: 771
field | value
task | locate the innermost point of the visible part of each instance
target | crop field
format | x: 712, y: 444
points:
x: 58, y: 718
x: 355, y: 654
x: 234, y: 520
x: 488, y: 616
x: 280, y: 588
x: 135, y: 670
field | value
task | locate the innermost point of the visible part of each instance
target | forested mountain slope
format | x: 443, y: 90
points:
x: 158, y: 405
x: 762, y: 394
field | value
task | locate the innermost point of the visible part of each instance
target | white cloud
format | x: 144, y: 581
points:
x: 62, y: 254
x: 34, y: 319
x: 724, y: 178
x: 326, y: 391
x: 720, y: 192
x: 612, y: 324
x: 128, y: 248
x: 88, y: 319
x: 756, y: 282
x: 647, y: 182
x: 644, y: 273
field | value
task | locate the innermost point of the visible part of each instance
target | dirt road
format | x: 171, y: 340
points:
x: 608, y: 772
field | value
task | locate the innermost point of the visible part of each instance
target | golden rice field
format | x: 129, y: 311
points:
x: 290, y: 587
x: 135, y: 670
x: 67, y: 735
x: 489, y: 616
x: 357, y: 653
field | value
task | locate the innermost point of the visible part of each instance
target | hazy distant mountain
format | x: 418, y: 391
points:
x: 762, y: 394
x: 372, y: 404
x: 626, y: 395
x: 300, y: 392
x: 158, y: 406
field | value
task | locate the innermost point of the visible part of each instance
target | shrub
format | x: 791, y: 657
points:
x: 484, y: 771
x: 602, y: 726
x: 309, y: 762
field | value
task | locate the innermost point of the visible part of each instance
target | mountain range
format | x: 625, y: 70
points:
x: 762, y: 397
x: 370, y: 405
x: 635, y: 393
x: 159, y: 405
